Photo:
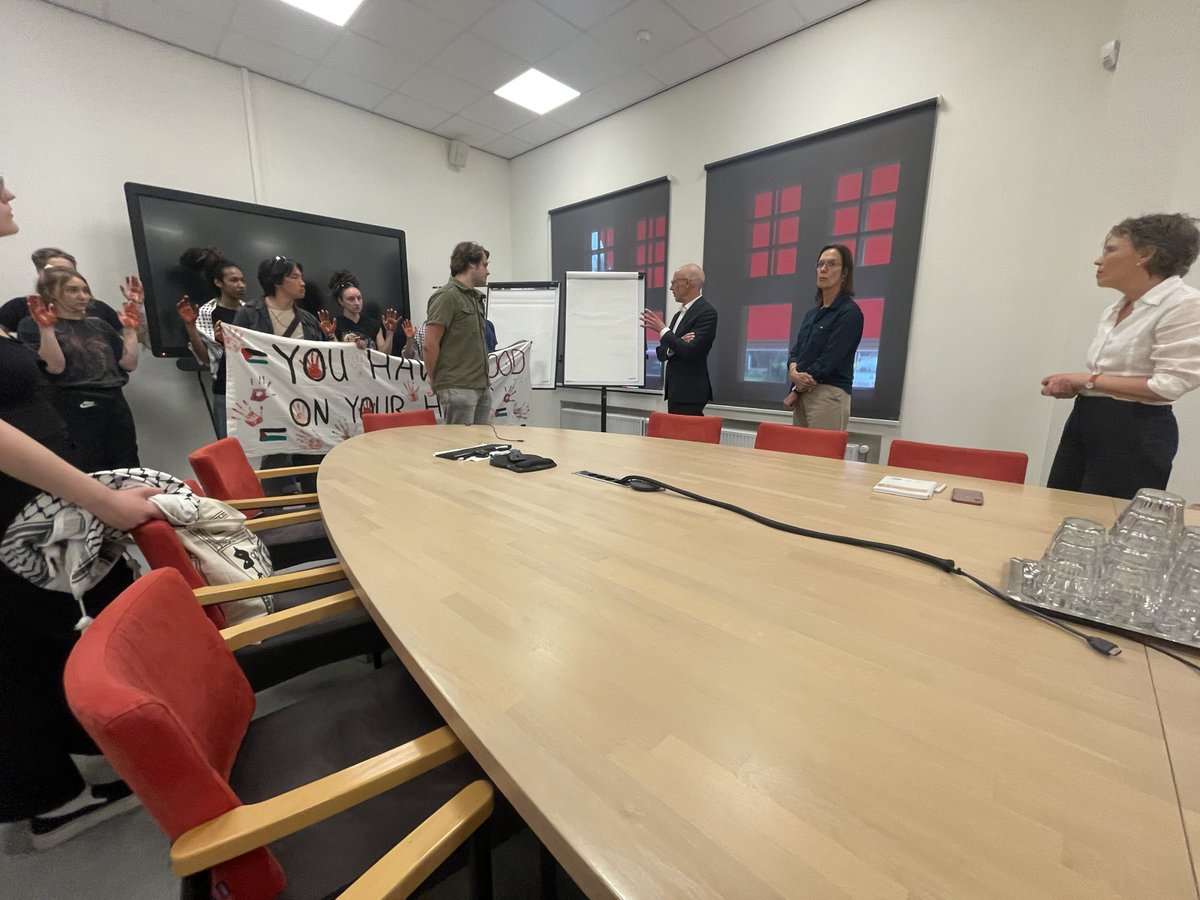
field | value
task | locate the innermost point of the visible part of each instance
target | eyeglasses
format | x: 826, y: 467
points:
x: 675, y: 281
x: 826, y: 264
x: 1, y: 184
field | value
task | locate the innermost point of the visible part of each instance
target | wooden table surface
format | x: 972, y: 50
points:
x: 684, y: 703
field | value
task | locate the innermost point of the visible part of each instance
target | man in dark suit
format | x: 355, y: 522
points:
x: 684, y: 344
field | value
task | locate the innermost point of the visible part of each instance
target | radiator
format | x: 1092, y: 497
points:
x: 735, y: 437
x: 589, y: 420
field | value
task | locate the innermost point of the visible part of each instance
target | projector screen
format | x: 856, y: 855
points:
x: 166, y: 222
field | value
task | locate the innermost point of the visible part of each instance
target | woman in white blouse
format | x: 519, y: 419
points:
x: 1121, y: 435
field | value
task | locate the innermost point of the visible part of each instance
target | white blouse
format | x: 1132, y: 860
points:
x: 1160, y: 338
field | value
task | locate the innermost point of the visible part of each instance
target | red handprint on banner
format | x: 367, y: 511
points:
x: 259, y: 385
x: 248, y: 414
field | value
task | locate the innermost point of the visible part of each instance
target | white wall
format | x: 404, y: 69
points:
x: 87, y: 106
x: 1034, y: 158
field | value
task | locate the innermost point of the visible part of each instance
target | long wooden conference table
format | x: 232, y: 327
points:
x: 684, y: 703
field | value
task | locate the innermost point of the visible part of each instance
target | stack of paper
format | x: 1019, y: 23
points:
x: 906, y: 487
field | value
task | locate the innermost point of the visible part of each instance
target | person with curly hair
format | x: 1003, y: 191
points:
x: 1122, y: 435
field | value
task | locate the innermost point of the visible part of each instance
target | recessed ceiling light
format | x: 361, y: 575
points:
x: 336, y: 11
x: 537, y: 91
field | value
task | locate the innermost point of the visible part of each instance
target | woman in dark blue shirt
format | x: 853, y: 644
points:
x: 821, y: 362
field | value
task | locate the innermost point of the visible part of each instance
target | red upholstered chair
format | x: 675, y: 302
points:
x: 806, y: 441
x: 160, y: 693
x: 999, y: 465
x: 266, y: 663
x: 702, y: 429
x: 380, y: 421
x: 226, y: 474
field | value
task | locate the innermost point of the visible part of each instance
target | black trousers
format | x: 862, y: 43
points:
x: 1115, y: 448
x: 101, y: 425
x: 37, y: 730
x: 676, y: 408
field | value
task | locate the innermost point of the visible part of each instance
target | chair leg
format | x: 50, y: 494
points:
x: 197, y: 886
x: 377, y: 656
x: 479, y: 865
x: 547, y: 873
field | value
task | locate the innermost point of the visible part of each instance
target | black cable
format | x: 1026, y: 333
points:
x: 644, y: 483
x: 505, y: 440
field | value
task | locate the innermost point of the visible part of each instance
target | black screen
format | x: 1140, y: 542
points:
x: 166, y: 222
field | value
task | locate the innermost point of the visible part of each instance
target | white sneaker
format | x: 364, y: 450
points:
x: 112, y: 799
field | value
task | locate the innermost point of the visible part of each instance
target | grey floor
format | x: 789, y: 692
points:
x: 126, y: 858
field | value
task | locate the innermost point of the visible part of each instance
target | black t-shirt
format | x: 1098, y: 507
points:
x: 366, y: 328
x: 221, y: 314
x: 25, y: 405
x: 92, y: 351
x: 16, y: 309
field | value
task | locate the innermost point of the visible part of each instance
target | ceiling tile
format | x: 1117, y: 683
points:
x: 285, y: 26
x: 365, y: 59
x: 626, y: 90
x: 265, y: 58
x: 218, y: 11
x: 463, y: 13
x: 667, y: 30
x: 417, y: 33
x: 508, y: 146
x: 756, y: 28
x: 481, y: 63
x: 580, y: 111
x: 583, y: 64
x: 585, y: 13
x: 89, y: 7
x: 540, y: 131
x: 411, y: 111
x: 496, y: 112
x: 460, y: 129
x: 708, y: 14
x: 524, y: 29
x: 336, y: 84
x: 441, y: 90
x: 167, y: 23
x: 683, y: 62
x: 816, y: 10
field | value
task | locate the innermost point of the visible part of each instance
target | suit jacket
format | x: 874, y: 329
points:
x: 687, y: 362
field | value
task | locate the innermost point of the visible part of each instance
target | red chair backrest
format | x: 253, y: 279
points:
x: 999, y: 465
x: 226, y: 473
x: 702, y: 429
x: 163, y: 698
x: 808, y: 441
x: 380, y: 421
x: 163, y: 550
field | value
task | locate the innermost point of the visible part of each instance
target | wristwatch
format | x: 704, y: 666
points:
x: 1090, y: 384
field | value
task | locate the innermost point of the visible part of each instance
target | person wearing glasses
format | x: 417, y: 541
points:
x: 821, y: 362
x: 1121, y: 435
x: 39, y: 781
x: 684, y: 344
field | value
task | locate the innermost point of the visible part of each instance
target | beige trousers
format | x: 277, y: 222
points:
x: 825, y: 406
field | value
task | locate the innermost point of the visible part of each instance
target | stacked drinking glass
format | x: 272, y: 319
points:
x: 1143, y: 574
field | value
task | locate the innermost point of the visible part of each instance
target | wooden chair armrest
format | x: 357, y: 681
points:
x: 406, y: 866
x: 242, y: 590
x: 265, y: 523
x: 284, y: 471
x: 272, y: 502
x: 251, y: 632
x: 253, y: 825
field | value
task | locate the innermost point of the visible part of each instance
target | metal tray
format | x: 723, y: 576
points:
x: 1022, y: 573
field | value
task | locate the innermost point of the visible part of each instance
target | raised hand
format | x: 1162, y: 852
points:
x: 653, y: 320
x: 132, y: 290
x: 41, y: 313
x: 327, y: 324
x: 131, y: 316
x: 218, y: 332
x: 409, y: 330
x: 186, y: 311
x: 390, y: 319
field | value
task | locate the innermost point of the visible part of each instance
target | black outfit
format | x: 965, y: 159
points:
x: 87, y: 393
x: 226, y: 317
x: 686, y: 385
x: 16, y: 309
x: 256, y: 316
x: 37, y: 626
x: 1115, y: 447
x: 366, y: 328
x: 827, y: 341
